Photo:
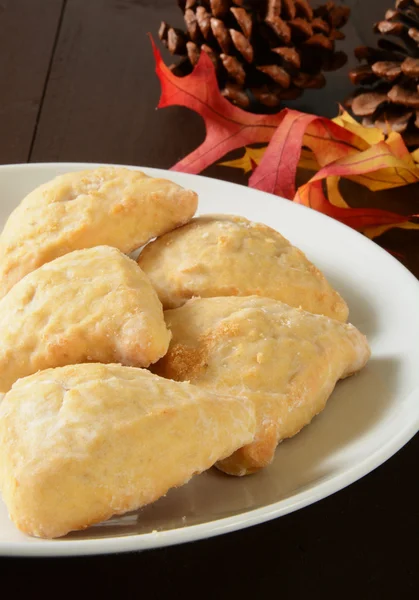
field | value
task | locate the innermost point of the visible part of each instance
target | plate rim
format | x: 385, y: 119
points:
x: 137, y: 542
x: 315, y: 214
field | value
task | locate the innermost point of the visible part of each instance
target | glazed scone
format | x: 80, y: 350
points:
x: 82, y: 443
x: 114, y: 206
x: 93, y: 305
x: 224, y: 255
x: 287, y: 361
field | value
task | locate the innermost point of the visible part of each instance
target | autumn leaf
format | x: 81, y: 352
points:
x: 252, y: 157
x: 328, y: 142
x: 227, y: 127
x: 332, y: 148
x: 277, y: 169
x: 308, y: 160
x: 372, y: 221
x: 377, y: 158
x: 248, y: 162
x: 373, y: 232
x: 333, y: 192
x: 311, y: 194
x: 372, y: 135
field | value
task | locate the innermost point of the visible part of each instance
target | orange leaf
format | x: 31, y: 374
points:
x: 227, y: 127
x: 390, y: 177
x: 374, y: 159
x: 371, y: 220
x: 311, y: 194
x: 373, y: 232
x: 330, y: 141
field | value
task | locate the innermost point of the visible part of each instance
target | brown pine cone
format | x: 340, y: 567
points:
x: 388, y: 76
x: 264, y: 51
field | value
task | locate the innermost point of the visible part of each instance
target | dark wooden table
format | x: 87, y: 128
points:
x: 77, y: 84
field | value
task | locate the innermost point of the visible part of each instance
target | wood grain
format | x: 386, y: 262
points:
x: 101, y: 98
x: 77, y: 83
x: 28, y: 30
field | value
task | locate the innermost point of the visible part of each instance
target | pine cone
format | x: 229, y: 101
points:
x: 264, y: 51
x: 388, y: 96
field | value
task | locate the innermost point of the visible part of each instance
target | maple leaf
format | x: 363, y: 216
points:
x: 227, y: 127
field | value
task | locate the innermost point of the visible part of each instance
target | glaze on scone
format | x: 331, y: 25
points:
x: 113, y: 206
x: 287, y: 361
x: 89, y: 305
x: 224, y: 255
x: 82, y: 443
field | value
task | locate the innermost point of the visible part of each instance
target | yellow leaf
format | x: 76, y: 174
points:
x: 384, y: 179
x: 373, y: 232
x: 399, y: 148
x: 333, y: 192
x: 402, y: 169
x: 372, y: 135
x: 308, y: 160
x: 415, y: 155
x: 253, y: 156
x: 246, y: 163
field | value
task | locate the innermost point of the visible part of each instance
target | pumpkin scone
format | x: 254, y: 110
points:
x: 225, y: 255
x: 93, y: 305
x: 285, y: 360
x: 111, y: 206
x: 84, y: 442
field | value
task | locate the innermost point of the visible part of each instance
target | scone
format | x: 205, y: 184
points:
x: 287, y: 361
x: 93, y: 305
x: 224, y: 255
x: 110, y: 205
x: 82, y: 443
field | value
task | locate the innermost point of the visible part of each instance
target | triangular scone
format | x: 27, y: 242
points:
x: 89, y: 305
x: 82, y: 443
x: 109, y: 205
x: 224, y: 255
x: 287, y: 361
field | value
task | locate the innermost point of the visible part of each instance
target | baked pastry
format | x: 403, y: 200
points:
x: 287, y: 361
x: 109, y: 205
x: 224, y: 255
x: 89, y: 305
x: 82, y: 443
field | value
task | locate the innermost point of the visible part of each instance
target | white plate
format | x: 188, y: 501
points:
x: 368, y: 418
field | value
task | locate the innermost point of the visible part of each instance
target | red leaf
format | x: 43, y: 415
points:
x: 276, y: 171
x: 227, y: 127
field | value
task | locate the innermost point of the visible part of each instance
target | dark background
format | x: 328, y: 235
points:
x: 77, y: 83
